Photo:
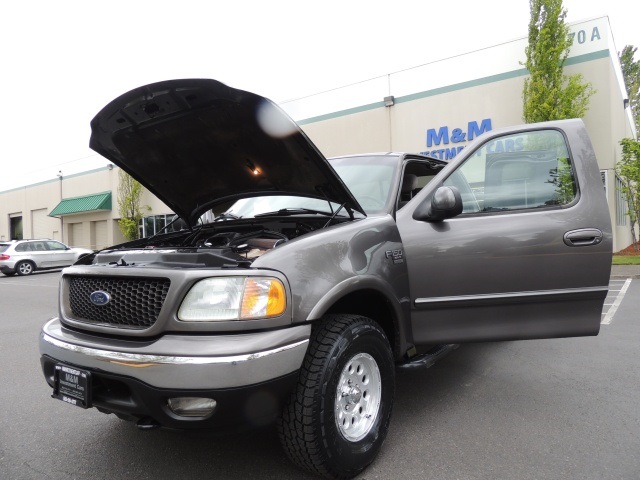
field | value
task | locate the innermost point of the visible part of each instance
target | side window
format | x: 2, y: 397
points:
x: 23, y: 247
x: 55, y: 246
x: 516, y: 172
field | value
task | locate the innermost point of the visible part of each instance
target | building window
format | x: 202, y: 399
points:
x: 621, y: 204
x: 153, y: 224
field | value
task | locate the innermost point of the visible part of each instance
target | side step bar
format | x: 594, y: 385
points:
x: 427, y: 359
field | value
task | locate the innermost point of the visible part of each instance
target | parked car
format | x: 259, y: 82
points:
x: 26, y: 256
x: 313, y: 279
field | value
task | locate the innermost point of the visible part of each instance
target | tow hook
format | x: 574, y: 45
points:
x: 147, y: 423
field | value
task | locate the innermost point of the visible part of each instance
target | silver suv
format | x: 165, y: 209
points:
x: 26, y: 256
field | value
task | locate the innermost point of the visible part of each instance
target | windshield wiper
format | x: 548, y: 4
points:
x: 496, y: 209
x: 293, y: 211
x: 226, y: 216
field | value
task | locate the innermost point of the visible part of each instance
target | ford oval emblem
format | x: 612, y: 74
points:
x: 100, y: 298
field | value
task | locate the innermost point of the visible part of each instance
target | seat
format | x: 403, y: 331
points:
x: 409, y: 184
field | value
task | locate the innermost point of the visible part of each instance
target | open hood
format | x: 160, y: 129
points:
x: 195, y: 143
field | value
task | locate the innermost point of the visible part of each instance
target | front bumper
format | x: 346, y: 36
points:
x: 249, y: 375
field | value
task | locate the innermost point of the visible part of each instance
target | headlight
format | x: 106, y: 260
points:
x: 233, y: 298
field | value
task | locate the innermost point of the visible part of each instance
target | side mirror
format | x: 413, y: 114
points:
x: 446, y: 202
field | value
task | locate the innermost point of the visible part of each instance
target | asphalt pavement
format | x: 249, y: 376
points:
x: 542, y: 409
x: 625, y: 271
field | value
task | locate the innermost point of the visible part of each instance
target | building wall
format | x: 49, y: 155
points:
x: 346, y: 135
x: 95, y: 230
x: 452, y: 93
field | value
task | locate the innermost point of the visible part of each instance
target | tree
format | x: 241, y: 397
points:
x: 631, y: 74
x: 628, y: 170
x: 129, y: 195
x: 548, y: 94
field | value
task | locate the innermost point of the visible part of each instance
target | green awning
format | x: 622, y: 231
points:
x: 86, y: 203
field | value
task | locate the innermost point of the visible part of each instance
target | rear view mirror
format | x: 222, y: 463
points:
x: 445, y: 202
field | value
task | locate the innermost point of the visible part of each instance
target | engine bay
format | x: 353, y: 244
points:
x: 225, y: 244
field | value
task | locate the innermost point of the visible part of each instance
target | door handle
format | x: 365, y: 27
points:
x: 583, y: 237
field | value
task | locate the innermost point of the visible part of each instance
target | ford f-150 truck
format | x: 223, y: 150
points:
x: 291, y: 287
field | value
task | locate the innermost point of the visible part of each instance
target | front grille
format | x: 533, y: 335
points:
x: 134, y: 302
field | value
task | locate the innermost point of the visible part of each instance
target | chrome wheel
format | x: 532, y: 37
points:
x: 358, y: 397
x: 24, y: 268
x: 337, y: 417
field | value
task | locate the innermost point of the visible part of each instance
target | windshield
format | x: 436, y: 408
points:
x: 369, y: 178
x: 250, y: 207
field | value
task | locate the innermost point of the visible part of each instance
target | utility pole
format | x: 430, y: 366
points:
x: 61, y: 217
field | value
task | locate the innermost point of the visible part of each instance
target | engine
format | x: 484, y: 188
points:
x: 226, y: 244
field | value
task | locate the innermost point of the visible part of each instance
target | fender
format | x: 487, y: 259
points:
x: 400, y: 307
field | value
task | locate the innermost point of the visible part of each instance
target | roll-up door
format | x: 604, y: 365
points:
x: 39, y: 222
x: 75, y: 235
x: 101, y: 235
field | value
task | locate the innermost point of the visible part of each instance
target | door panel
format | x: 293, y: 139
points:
x: 60, y: 256
x: 525, y: 259
x: 40, y: 254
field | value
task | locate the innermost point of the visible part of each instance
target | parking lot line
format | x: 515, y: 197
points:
x: 612, y: 310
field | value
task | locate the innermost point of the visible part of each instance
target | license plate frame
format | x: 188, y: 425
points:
x: 72, y: 385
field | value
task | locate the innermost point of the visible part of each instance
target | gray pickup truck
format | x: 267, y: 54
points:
x: 292, y: 286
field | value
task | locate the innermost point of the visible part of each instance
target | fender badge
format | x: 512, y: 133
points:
x: 396, y: 255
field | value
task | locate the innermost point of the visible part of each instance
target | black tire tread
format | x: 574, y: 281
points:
x: 297, y: 433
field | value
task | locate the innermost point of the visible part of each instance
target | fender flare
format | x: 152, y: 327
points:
x: 359, y: 283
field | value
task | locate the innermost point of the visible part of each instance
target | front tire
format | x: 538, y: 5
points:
x: 25, y: 268
x: 338, y: 416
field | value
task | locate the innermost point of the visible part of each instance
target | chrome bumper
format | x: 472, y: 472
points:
x: 182, y: 361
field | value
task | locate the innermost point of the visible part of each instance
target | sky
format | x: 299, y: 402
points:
x: 63, y: 61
